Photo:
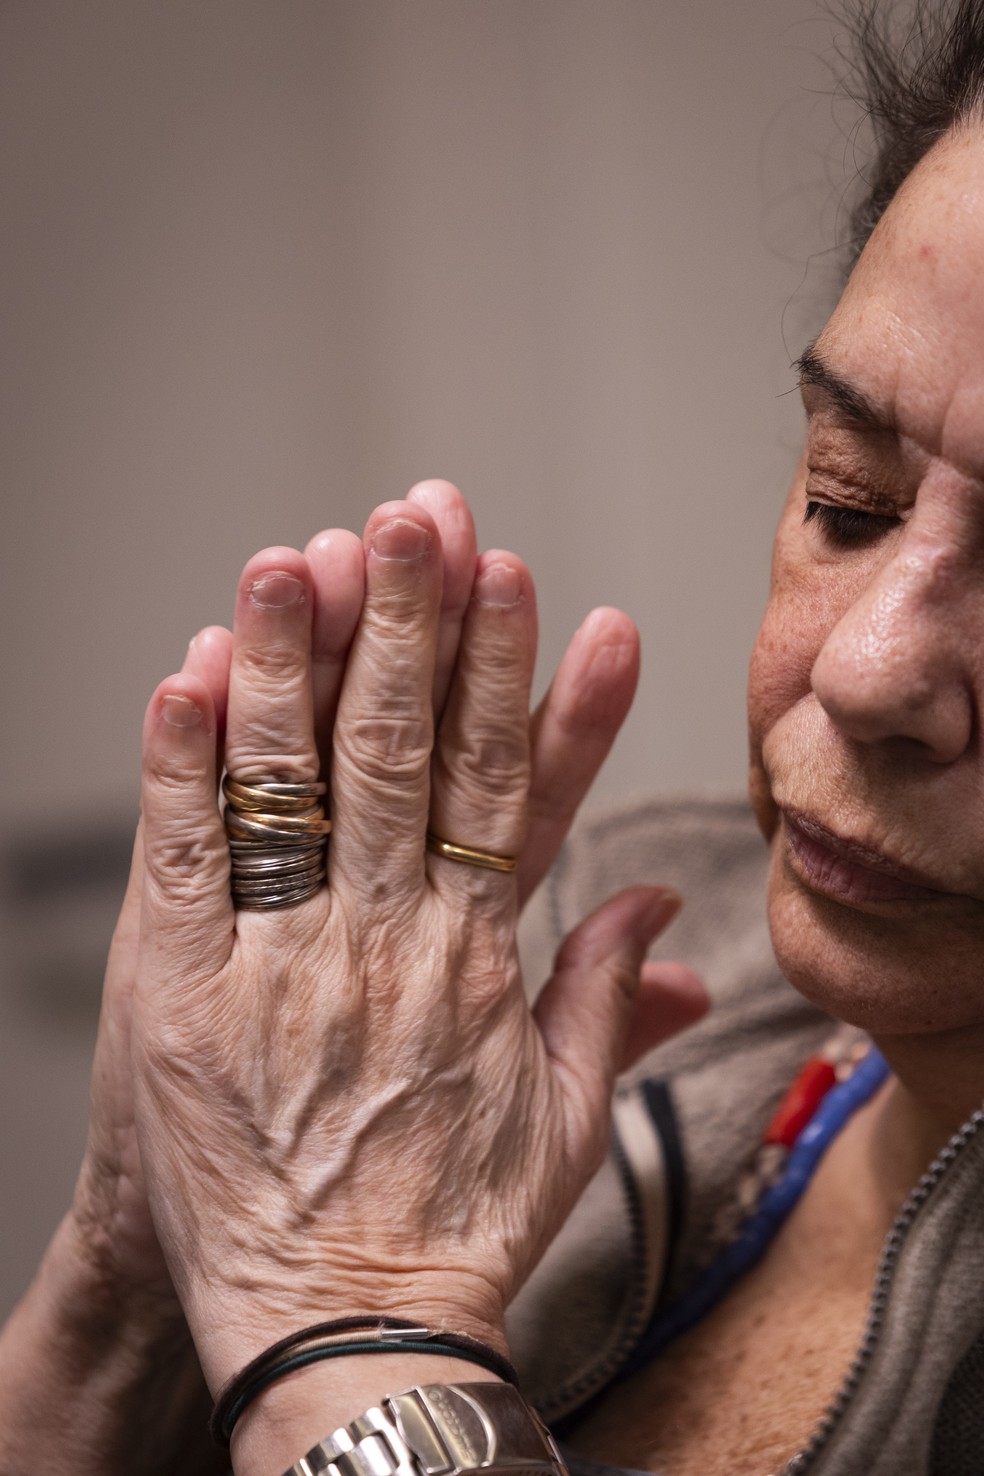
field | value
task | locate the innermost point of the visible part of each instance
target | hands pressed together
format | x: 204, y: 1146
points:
x: 347, y: 1106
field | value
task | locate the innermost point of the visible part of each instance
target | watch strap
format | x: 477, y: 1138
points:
x: 439, y: 1430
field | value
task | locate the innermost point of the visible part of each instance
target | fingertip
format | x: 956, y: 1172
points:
x: 631, y: 919
x: 398, y: 509
x: 402, y: 533
x: 508, y: 558
x: 615, y: 635
x: 180, y: 708
x: 502, y: 581
x: 179, y: 738
x: 338, y: 568
x: 597, y: 679
x: 274, y: 578
x: 442, y: 502
x: 610, y: 622
x: 645, y: 911
x: 211, y: 638
x: 456, y: 529
x: 277, y: 556
x: 184, y: 841
x: 334, y: 543
x: 209, y: 656
x: 431, y: 489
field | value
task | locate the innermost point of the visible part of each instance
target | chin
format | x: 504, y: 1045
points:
x: 912, y: 972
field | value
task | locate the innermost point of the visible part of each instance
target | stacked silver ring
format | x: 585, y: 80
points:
x: 277, y: 833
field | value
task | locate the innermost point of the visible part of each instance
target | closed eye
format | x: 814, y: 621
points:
x: 848, y: 527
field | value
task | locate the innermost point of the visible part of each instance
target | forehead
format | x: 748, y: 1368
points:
x: 909, y: 328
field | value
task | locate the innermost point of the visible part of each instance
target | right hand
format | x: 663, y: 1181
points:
x: 269, y: 1047
x: 571, y: 734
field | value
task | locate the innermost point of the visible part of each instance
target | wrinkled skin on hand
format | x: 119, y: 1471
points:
x: 110, y: 1210
x: 347, y: 1105
x: 101, y: 1331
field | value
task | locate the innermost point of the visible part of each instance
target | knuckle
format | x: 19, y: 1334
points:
x: 253, y: 758
x: 623, y: 978
x: 274, y: 667
x: 171, y: 777
x: 488, y: 894
x: 390, y: 749
x: 494, y: 763
x: 183, y: 868
x: 397, y: 609
x: 180, y: 856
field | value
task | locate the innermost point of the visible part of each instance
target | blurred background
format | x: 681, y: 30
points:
x: 267, y: 264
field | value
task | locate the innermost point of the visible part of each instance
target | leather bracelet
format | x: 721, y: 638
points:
x: 339, y: 1339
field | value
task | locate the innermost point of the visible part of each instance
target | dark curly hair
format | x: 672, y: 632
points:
x: 916, y: 71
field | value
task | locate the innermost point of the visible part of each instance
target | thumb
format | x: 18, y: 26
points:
x: 586, y: 1007
x: 187, y: 910
x: 670, y: 998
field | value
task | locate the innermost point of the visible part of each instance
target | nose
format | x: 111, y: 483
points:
x: 899, y: 663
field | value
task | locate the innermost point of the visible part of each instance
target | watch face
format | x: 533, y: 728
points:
x: 463, y: 1425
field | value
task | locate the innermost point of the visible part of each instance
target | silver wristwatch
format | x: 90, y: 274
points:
x: 440, y: 1430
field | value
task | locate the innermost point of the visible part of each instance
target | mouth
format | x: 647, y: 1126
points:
x: 849, y: 871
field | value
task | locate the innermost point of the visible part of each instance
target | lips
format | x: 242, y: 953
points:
x: 846, y: 870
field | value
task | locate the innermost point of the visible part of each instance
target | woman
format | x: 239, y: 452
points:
x: 333, y: 1101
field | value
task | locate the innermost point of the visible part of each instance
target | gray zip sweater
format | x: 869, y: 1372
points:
x: 913, y: 1402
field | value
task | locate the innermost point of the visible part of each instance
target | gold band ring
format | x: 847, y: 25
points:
x: 468, y: 855
x: 282, y: 797
x: 252, y: 823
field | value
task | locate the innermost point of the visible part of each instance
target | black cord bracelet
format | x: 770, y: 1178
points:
x: 339, y: 1339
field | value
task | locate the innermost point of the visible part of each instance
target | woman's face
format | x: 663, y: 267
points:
x: 866, y: 687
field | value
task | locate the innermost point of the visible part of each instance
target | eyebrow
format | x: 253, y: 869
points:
x: 813, y: 369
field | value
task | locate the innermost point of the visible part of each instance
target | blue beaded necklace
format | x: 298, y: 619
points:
x: 761, y: 1226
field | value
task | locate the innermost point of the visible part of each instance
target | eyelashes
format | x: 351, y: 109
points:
x: 848, y: 527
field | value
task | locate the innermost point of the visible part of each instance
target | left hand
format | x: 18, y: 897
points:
x: 100, y: 1334
x: 110, y: 1219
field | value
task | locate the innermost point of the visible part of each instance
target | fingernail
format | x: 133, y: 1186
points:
x: 499, y: 584
x: 276, y: 591
x: 181, y: 712
x: 662, y: 908
x: 402, y: 540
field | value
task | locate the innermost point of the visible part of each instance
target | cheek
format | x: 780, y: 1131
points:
x: 789, y: 640
x: 782, y: 661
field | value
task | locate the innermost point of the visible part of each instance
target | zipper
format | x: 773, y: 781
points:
x: 891, y: 1251
x: 574, y: 1396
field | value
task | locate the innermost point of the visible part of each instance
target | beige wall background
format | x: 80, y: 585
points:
x: 265, y: 265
